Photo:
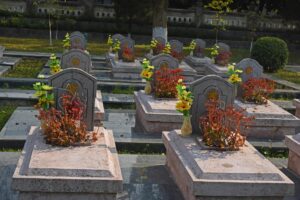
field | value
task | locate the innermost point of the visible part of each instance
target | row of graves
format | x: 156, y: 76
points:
x: 207, y: 152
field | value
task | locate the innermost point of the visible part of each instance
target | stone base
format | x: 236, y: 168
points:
x: 209, y: 174
x: 271, y: 121
x: 126, y: 70
x: 108, y: 58
x: 296, y: 103
x: 199, y: 64
x: 156, y: 115
x: 217, y: 70
x: 9, y: 61
x: 81, y: 172
x: 293, y: 143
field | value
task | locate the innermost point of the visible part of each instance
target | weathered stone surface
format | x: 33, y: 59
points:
x: 2, y: 49
x: 176, y: 46
x: 126, y: 70
x: 160, y: 32
x: 47, y: 172
x: 251, y: 69
x: 198, y: 63
x: 293, y: 143
x: 160, y: 40
x: 76, y: 58
x: 117, y: 36
x: 223, y: 47
x: 78, y: 40
x: 217, y: 70
x: 85, y: 86
x: 156, y: 115
x: 209, y: 174
x: 207, y: 87
x: 296, y: 103
x: 199, y: 49
x: 271, y: 121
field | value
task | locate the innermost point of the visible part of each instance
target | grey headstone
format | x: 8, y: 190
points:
x: 176, y: 46
x: 86, y: 86
x: 2, y: 49
x: 160, y: 40
x: 251, y: 69
x: 164, y: 60
x: 223, y: 47
x: 199, y: 49
x: 117, y: 37
x: 204, y: 87
x: 78, y: 40
x: 126, y: 42
x: 76, y: 58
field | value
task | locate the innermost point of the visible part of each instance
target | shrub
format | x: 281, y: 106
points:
x: 271, y: 52
x: 165, y: 82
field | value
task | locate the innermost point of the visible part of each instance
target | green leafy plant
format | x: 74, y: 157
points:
x: 167, y: 49
x: 234, y: 74
x: 185, y: 99
x: 67, y: 42
x: 271, y: 52
x: 44, y: 94
x: 54, y: 64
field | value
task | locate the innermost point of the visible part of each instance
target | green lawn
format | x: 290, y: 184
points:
x: 288, y: 75
x: 5, y: 113
x: 26, y: 68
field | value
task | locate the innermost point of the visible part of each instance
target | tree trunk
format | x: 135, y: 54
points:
x: 56, y: 32
x: 50, y: 32
x: 160, y: 19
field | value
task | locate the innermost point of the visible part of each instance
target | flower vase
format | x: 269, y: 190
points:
x: 235, y: 90
x: 151, y: 51
x: 186, y: 128
x: 116, y: 56
x: 148, y: 87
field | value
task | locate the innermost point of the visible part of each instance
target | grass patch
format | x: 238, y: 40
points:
x: 26, y: 68
x: 5, y: 113
x: 119, y: 90
x: 273, y: 153
x: 293, y: 77
x: 10, y: 150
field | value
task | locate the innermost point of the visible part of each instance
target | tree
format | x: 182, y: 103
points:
x: 221, y: 8
x: 160, y: 18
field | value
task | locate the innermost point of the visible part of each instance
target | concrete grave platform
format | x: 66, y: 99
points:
x: 296, y: 103
x: 82, y: 172
x: 199, y: 64
x: 217, y: 70
x: 9, y: 61
x: 207, y: 174
x: 156, y: 115
x: 293, y: 143
x: 188, y: 72
x: 23, y: 117
x: 126, y: 70
x: 271, y: 121
x: 4, y: 69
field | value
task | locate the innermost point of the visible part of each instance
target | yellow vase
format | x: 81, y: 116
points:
x: 186, y: 128
x: 148, y: 87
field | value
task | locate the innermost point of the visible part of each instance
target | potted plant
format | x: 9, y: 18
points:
x: 54, y: 64
x: 115, y: 48
x: 234, y: 76
x: 183, y: 105
x: 192, y: 47
x: 213, y: 52
x: 257, y: 90
x: 146, y: 74
x: 222, y: 128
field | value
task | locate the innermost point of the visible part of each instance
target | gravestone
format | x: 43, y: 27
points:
x: 126, y: 43
x: 293, y: 143
x: 223, y: 47
x: 161, y: 40
x: 78, y: 40
x: 199, y: 48
x: 76, y: 58
x: 164, y: 60
x: 209, y: 87
x: 76, y: 80
x: 176, y: 46
x: 117, y: 37
x: 251, y: 69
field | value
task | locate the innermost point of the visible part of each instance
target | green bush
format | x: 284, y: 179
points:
x: 271, y: 52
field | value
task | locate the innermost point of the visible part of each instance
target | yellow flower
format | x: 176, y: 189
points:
x: 182, y: 106
x: 234, y: 78
x: 180, y: 80
x: 146, y: 74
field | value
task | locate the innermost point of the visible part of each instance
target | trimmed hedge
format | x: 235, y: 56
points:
x: 271, y: 52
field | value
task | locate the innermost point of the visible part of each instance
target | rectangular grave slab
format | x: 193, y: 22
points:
x: 2, y: 49
x: 208, y: 174
x: 156, y: 115
x: 81, y: 172
x: 23, y: 118
x: 126, y: 70
x: 217, y: 70
x: 296, y: 103
x: 293, y: 143
x: 197, y: 63
x: 271, y: 121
